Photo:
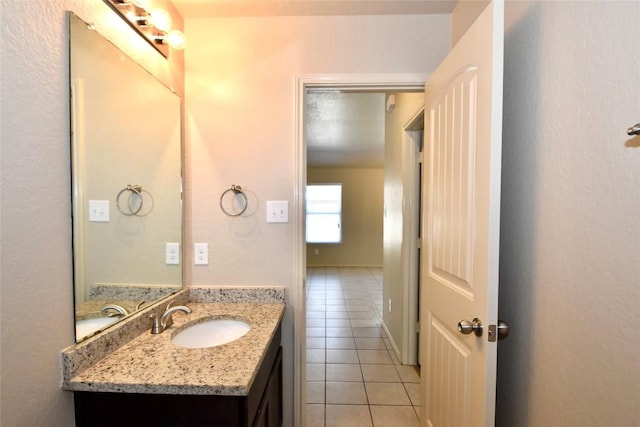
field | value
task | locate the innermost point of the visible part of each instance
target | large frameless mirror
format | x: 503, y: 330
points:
x: 127, y: 184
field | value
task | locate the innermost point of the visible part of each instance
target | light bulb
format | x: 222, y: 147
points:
x: 161, y: 19
x: 175, y: 39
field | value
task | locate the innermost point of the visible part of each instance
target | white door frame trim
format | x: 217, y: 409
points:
x: 360, y: 82
x: 410, y: 207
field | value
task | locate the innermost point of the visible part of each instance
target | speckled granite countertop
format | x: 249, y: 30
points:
x: 153, y: 364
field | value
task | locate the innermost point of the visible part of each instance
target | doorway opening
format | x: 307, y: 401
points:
x: 409, y: 134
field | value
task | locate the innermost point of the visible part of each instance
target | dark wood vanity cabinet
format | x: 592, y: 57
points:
x: 262, y: 407
x: 269, y: 413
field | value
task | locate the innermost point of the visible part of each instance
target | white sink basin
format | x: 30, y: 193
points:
x: 88, y: 326
x: 211, y: 333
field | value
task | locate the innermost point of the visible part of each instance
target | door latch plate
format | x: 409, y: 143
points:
x: 492, y: 333
x: 499, y: 331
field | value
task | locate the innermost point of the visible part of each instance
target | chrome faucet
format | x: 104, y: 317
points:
x: 119, y: 310
x: 166, y: 320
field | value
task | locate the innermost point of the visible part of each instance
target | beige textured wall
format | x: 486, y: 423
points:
x: 36, y: 301
x: 570, y: 247
x: 241, y: 128
x: 465, y: 12
x: 407, y: 105
x: 362, y: 202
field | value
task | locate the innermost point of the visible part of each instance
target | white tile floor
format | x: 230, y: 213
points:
x: 353, y: 379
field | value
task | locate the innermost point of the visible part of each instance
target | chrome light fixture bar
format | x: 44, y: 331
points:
x: 154, y: 25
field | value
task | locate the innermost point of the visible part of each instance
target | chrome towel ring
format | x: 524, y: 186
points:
x: 236, y: 190
x: 134, y: 207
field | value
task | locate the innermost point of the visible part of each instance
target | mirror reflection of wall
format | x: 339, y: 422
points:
x: 125, y: 131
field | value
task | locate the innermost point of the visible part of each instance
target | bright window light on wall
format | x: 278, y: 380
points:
x: 324, y: 213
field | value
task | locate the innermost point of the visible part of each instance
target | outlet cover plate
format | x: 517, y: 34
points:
x: 172, y: 253
x: 201, y: 254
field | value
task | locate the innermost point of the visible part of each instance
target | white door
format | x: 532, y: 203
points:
x: 463, y: 127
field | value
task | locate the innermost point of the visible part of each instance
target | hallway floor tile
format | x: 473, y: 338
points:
x: 353, y: 377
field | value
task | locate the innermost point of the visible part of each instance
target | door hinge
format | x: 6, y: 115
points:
x: 418, y: 327
x: 419, y: 243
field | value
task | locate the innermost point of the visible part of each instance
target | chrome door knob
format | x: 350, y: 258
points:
x: 465, y: 327
x: 503, y: 329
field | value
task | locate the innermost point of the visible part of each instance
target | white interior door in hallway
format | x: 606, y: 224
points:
x: 463, y: 138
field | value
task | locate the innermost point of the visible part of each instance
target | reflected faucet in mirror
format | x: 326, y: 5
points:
x: 112, y: 310
x: 121, y: 260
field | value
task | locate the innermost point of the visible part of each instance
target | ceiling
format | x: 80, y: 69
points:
x: 344, y: 129
x: 235, y: 8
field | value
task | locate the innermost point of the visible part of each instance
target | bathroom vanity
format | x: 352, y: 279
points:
x: 149, y: 380
x: 119, y: 372
x: 261, y: 407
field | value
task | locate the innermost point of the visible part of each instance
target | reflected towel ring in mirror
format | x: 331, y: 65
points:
x: 132, y: 189
x: 135, y: 201
x: 236, y: 190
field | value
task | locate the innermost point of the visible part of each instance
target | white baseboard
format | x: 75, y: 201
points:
x: 342, y: 266
x: 394, y: 346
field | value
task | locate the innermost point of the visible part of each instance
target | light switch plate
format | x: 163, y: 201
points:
x: 277, y: 211
x: 98, y: 211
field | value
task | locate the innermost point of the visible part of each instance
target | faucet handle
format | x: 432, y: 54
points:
x: 155, y: 327
x: 166, y: 320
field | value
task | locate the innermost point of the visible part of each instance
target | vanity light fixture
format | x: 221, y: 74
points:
x: 142, y: 4
x: 174, y: 38
x: 160, y: 19
x: 153, y: 24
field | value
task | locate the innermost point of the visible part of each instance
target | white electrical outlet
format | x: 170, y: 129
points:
x: 389, y: 305
x: 172, y: 253
x: 201, y: 254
